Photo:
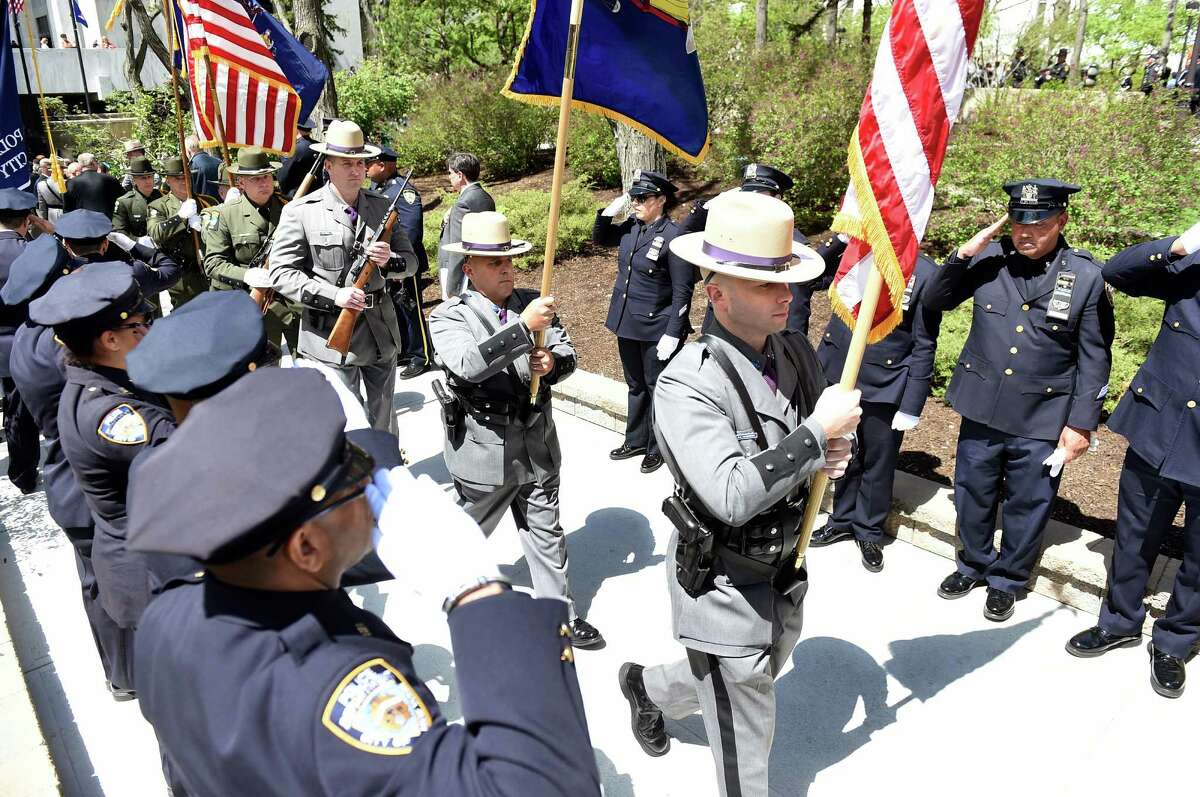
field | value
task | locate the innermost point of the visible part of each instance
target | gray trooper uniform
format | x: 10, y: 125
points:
x: 310, y: 260
x: 740, y: 629
x: 504, y: 452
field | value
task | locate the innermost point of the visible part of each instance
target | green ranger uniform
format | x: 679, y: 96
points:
x: 171, y: 234
x: 130, y: 214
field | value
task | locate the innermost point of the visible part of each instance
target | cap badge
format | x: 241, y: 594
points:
x: 1029, y: 194
x: 318, y: 493
x: 637, y: 174
x: 752, y: 171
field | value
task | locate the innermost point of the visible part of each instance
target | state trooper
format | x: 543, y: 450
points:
x: 238, y: 235
x: 260, y: 655
x: 501, y: 447
x: 174, y: 226
x: 311, y: 258
x: 650, y: 303
x: 1029, y: 384
x: 1160, y: 417
x: 39, y: 371
x: 763, y: 179
x: 743, y: 422
x: 89, y: 237
x: 894, y: 380
x: 131, y: 214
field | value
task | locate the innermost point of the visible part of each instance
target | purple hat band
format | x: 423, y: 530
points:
x: 345, y: 150
x: 504, y: 247
x: 729, y: 256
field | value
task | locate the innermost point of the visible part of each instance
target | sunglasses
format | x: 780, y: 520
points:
x: 137, y: 325
x: 353, y: 470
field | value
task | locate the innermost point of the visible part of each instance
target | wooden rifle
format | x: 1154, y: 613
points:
x: 361, y: 271
x: 264, y: 296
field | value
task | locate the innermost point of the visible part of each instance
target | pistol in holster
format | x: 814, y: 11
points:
x: 452, y: 410
x: 694, y: 549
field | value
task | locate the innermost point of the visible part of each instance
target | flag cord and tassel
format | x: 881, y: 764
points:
x: 218, y: 125
x: 55, y: 168
x: 172, y: 44
x: 560, y: 167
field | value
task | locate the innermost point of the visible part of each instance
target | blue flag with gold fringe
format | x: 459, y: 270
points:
x: 636, y: 64
x: 14, y: 159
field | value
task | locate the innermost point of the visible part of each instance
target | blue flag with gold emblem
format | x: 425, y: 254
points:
x: 636, y: 64
x: 14, y: 159
x: 304, y: 70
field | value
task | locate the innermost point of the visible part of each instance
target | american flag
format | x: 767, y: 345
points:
x: 16, y: 6
x: 234, y: 77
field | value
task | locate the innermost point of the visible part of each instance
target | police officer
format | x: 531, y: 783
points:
x: 1160, y: 417
x: 894, y: 380
x: 174, y: 226
x: 131, y: 214
x: 265, y: 628
x: 743, y: 423
x: 650, y: 303
x: 20, y: 431
x: 1030, y: 383
x: 89, y: 238
x: 297, y: 165
x: 238, y: 235
x: 763, y: 179
x: 311, y: 261
x: 416, y: 356
x: 501, y: 449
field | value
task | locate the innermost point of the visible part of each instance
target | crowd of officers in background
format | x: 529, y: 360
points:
x: 1020, y: 73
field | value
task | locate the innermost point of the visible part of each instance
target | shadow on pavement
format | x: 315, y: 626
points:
x: 435, y: 663
x: 612, y: 542
x: 408, y: 401
x: 614, y: 783
x: 432, y: 466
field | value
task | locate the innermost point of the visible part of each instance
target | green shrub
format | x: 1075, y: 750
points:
x: 153, y: 111
x: 592, y: 153
x: 528, y: 213
x: 375, y: 98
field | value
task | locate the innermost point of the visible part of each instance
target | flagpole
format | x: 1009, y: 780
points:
x: 560, y: 167
x: 172, y: 42
x: 854, y: 358
x: 55, y: 167
x: 217, y: 125
x: 79, y: 53
x: 16, y: 18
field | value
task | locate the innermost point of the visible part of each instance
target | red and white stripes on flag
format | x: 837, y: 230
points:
x: 16, y: 6
x: 897, y: 149
x: 234, y: 78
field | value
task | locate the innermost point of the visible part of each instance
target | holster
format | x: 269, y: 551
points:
x: 451, y: 408
x: 694, y: 549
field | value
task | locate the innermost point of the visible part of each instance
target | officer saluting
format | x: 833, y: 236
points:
x: 1030, y: 383
x: 174, y: 225
x: 262, y: 656
x: 311, y: 259
x: 894, y: 380
x: 743, y: 423
x: 1160, y: 416
x: 88, y: 237
x: 502, y: 450
x: 131, y: 213
x: 20, y: 431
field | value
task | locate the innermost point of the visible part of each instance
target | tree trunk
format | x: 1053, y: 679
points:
x: 760, y: 25
x: 1166, y: 41
x: 1080, y: 30
x: 831, y: 16
x: 149, y: 34
x: 311, y: 33
x: 133, y: 75
x: 636, y: 151
x: 866, y: 31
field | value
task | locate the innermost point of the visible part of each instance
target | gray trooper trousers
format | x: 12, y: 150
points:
x: 535, y: 511
x: 380, y: 383
x: 736, y: 696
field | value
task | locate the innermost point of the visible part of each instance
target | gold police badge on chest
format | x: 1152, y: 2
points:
x: 655, y: 248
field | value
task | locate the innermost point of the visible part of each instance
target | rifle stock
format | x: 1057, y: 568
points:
x: 264, y: 296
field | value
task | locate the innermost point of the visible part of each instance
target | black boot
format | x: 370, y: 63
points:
x: 999, y: 605
x: 956, y: 585
x: 646, y: 719
x: 1096, y: 642
x: 872, y: 555
x: 1167, y: 673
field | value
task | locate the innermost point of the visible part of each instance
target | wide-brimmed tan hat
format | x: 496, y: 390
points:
x: 344, y: 139
x: 252, y: 161
x: 749, y: 236
x: 486, y: 235
x: 133, y: 145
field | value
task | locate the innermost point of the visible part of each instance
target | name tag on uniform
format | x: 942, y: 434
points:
x: 655, y: 247
x: 908, y: 291
x: 1060, y: 300
x: 327, y: 237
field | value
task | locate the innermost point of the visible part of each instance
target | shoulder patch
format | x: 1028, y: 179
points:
x: 123, y: 426
x: 376, y: 710
x: 212, y: 220
x: 410, y: 196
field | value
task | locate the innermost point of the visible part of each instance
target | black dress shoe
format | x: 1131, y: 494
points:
x: 120, y: 695
x: 584, y: 635
x: 872, y: 555
x: 828, y: 535
x: 645, y: 718
x: 999, y: 605
x: 651, y: 463
x: 957, y: 585
x: 1096, y: 642
x: 412, y: 369
x: 1167, y: 672
x: 626, y: 451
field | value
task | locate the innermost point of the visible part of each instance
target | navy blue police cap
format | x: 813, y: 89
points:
x: 90, y: 300
x: 1031, y: 201
x: 274, y: 440
x: 203, y: 347
x: 14, y: 200
x: 386, y: 154
x: 761, y: 177
x: 42, y: 262
x: 651, y: 183
x: 83, y: 225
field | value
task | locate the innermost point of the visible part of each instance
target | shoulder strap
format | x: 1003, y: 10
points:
x: 738, y: 385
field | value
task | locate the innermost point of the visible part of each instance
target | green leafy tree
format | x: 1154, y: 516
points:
x: 420, y: 36
x: 375, y: 97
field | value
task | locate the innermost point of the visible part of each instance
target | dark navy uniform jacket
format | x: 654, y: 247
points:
x: 40, y: 374
x: 1160, y: 412
x: 897, y: 370
x: 409, y: 216
x: 1021, y: 372
x: 302, y: 693
x: 653, y: 293
x: 154, y: 269
x: 11, y: 245
x: 104, y: 422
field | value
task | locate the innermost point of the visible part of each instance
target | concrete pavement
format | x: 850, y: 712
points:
x: 890, y: 688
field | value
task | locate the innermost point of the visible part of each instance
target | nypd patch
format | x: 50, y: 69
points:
x: 376, y: 710
x: 410, y: 196
x: 123, y: 426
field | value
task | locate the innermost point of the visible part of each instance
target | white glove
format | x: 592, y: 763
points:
x: 233, y: 196
x: 147, y: 242
x: 417, y: 523
x: 902, y: 421
x: 194, y: 223
x: 1055, y: 461
x: 666, y: 346
x: 187, y: 209
x: 618, y: 207
x: 1190, y: 240
x: 122, y: 240
x: 258, y: 278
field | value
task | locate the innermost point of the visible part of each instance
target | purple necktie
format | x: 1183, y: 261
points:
x: 503, y: 313
x: 769, y: 374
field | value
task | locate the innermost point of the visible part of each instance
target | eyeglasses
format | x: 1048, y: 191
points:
x: 637, y: 200
x: 149, y: 322
x: 354, y: 470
